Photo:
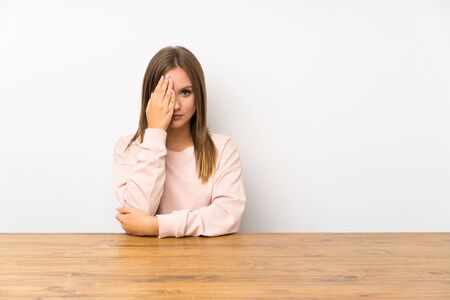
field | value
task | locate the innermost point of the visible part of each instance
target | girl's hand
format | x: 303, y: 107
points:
x: 159, y: 109
x: 137, y: 222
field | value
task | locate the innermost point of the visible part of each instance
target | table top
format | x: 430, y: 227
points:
x: 239, y: 265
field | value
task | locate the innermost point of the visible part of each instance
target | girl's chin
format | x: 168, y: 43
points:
x: 176, y: 123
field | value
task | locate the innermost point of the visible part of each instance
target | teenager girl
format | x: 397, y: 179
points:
x: 174, y: 177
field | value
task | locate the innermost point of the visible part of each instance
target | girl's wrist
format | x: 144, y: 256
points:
x: 154, y: 227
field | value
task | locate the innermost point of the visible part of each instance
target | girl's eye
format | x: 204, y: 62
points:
x: 186, y: 91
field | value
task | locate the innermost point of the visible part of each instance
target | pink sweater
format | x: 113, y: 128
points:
x: 164, y: 183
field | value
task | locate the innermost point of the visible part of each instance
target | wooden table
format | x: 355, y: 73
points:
x: 240, y: 265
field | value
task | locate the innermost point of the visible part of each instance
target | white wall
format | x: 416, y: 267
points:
x: 339, y: 108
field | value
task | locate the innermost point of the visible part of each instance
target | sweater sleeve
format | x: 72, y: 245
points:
x: 139, y: 172
x: 224, y: 214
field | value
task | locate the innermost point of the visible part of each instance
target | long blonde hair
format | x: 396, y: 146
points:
x: 166, y: 59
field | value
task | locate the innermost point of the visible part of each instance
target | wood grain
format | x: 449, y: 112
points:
x: 240, y: 265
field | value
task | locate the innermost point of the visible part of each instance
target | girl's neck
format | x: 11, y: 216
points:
x: 178, y: 138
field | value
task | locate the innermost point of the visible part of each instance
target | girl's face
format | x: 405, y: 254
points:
x: 184, y: 98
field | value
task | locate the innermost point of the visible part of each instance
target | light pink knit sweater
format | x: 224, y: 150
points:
x: 164, y: 183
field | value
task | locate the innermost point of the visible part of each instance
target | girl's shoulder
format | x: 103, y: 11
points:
x: 123, y: 141
x: 219, y: 139
x: 225, y: 144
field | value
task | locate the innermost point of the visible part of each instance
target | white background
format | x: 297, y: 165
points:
x: 340, y: 109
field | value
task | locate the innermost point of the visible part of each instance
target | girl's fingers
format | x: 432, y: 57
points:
x: 168, y: 93
x: 164, y: 85
x: 169, y: 84
x: 172, y: 99
x: 161, y: 89
x: 158, y: 85
x: 172, y: 92
x: 160, y: 81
